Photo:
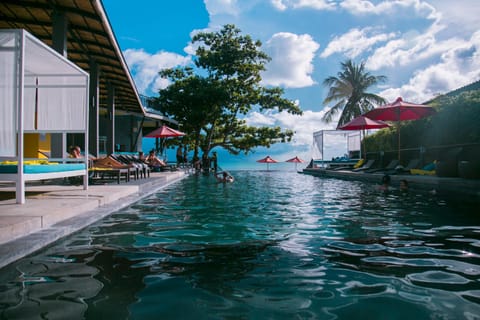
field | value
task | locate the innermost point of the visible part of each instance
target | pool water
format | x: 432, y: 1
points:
x: 271, y: 245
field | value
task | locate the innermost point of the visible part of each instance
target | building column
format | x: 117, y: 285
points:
x: 59, y: 32
x: 59, y: 44
x: 110, y: 119
x: 93, y: 108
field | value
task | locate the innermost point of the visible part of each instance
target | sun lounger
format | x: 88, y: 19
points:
x: 109, y: 172
x: 144, y: 168
x: 110, y: 167
x: 366, y: 166
x: 349, y: 167
x: 412, y: 164
x: 391, y: 166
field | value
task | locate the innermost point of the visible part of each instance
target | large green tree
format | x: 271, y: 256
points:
x: 348, y: 94
x: 211, y: 100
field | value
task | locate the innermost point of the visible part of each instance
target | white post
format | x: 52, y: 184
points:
x: 20, y: 184
x: 87, y: 109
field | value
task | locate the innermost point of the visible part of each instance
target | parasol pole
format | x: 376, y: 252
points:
x: 364, y: 155
x: 398, y: 131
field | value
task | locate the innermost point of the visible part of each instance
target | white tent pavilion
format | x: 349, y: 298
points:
x: 333, y: 143
x: 42, y: 92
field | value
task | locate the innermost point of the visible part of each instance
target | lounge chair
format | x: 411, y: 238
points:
x: 355, y: 166
x: 144, y: 167
x: 412, y: 164
x: 108, y: 166
x: 391, y: 166
x: 366, y: 166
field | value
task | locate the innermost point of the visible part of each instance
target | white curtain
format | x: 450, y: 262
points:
x: 317, y: 150
x: 354, y: 141
x: 53, y: 109
x: 8, y: 123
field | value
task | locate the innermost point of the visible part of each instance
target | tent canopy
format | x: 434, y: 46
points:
x: 329, y: 143
x: 52, y: 91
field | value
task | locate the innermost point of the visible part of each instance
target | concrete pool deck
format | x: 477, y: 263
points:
x: 53, y: 211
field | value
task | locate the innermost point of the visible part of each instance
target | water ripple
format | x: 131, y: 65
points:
x: 275, y: 245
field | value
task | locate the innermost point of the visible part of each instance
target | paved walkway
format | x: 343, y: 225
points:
x: 55, y: 211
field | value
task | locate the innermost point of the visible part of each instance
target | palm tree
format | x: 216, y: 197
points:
x: 348, y: 93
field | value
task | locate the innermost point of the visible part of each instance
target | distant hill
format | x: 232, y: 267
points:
x: 469, y: 87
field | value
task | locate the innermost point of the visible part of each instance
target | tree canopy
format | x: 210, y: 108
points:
x: 348, y: 94
x: 211, y: 100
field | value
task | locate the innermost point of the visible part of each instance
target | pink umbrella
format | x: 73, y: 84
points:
x: 267, y: 160
x: 363, y: 123
x: 400, y: 110
x: 296, y: 160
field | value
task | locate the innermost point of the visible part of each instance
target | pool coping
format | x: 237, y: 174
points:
x: 449, y: 187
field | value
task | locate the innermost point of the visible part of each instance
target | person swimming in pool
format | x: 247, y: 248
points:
x: 224, y: 177
x: 385, y: 186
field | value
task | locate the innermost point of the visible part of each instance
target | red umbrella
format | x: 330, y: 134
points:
x: 363, y: 123
x: 267, y: 160
x: 400, y: 110
x: 164, y: 132
x: 295, y: 160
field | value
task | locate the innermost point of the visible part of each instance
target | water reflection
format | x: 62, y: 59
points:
x: 271, y: 245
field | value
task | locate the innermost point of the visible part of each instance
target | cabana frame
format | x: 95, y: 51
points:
x: 340, y: 141
x: 41, y: 92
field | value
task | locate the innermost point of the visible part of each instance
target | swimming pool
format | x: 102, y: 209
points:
x: 275, y: 245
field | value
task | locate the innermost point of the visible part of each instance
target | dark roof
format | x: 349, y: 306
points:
x: 90, y: 36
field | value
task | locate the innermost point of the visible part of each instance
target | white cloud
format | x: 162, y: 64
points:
x: 145, y: 68
x: 292, y: 57
x: 459, y: 15
x: 355, y: 42
x: 217, y: 7
x: 459, y: 66
x: 363, y: 7
x: 309, y: 4
x: 279, y: 5
x: 412, y: 47
x: 303, y: 126
x: 258, y: 119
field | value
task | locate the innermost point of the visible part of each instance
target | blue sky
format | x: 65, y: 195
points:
x: 423, y: 47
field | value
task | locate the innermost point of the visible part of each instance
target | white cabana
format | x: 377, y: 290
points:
x: 40, y: 92
x: 339, y: 142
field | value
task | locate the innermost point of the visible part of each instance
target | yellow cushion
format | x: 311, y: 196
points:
x: 359, y: 163
x: 100, y: 169
x: 29, y: 162
x: 423, y: 172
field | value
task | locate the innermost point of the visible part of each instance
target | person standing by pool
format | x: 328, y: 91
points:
x: 179, y: 156
x: 213, y: 161
x: 185, y: 155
